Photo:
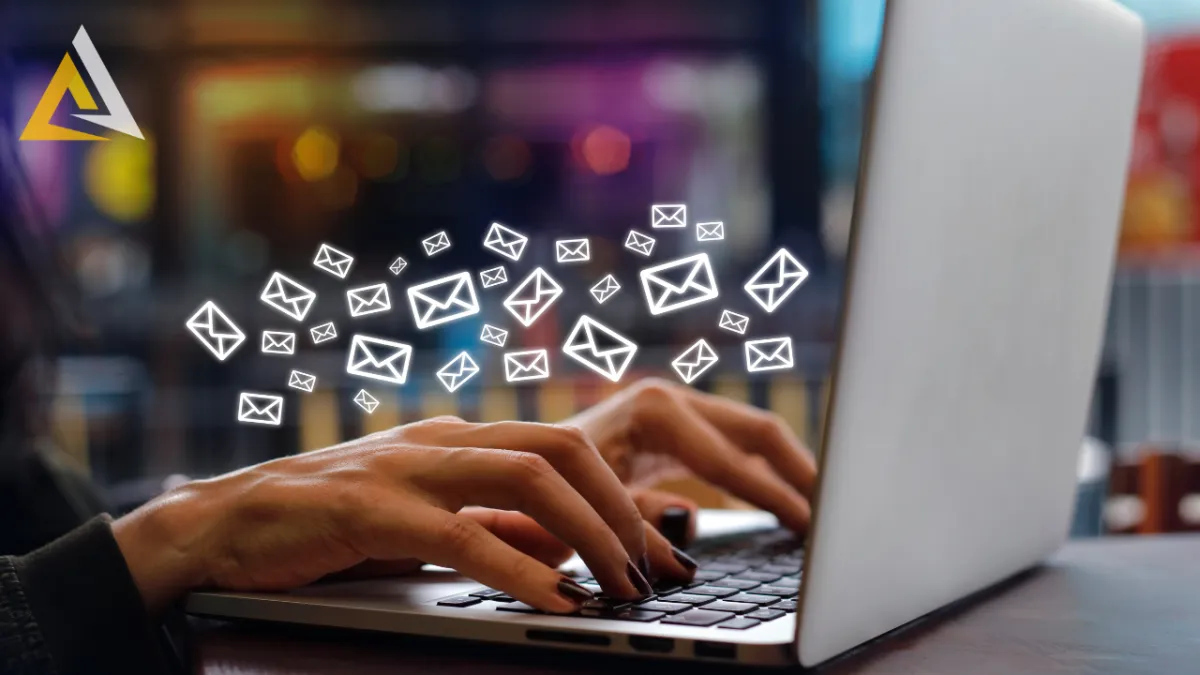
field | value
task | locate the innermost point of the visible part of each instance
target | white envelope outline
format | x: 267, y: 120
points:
x: 278, y: 342
x: 493, y: 335
x: 366, y: 401
x: 378, y: 359
x: 323, y: 333
x: 777, y: 279
x: 504, y: 241
x: 456, y: 373
x: 436, y: 243
x: 259, y: 408
x: 532, y: 364
x: 610, y: 361
x: 333, y: 261
x: 639, y: 243
x: 769, y: 354
x: 663, y: 296
x: 455, y: 301
x: 605, y: 289
x: 710, y: 231
x: 303, y: 381
x: 695, y: 361
x: 398, y: 265
x: 732, y: 321
x: 493, y: 277
x: 215, y: 330
x: 287, y: 296
x: 668, y: 216
x: 532, y: 297
x: 572, y: 250
x: 366, y: 300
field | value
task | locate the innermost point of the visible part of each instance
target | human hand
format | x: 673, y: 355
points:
x: 396, y: 497
x: 653, y: 427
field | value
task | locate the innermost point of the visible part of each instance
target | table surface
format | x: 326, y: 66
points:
x: 1113, y: 606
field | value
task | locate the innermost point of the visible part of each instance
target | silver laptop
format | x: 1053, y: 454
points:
x: 985, y: 230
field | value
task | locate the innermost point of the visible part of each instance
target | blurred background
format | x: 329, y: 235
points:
x: 369, y: 124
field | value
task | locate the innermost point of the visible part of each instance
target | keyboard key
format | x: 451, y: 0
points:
x: 726, y: 567
x: 636, y: 614
x: 740, y: 584
x: 779, y: 569
x: 754, y: 598
x: 502, y: 598
x: 459, y: 601
x: 760, y: 577
x: 594, y: 588
x: 787, y: 582
x: 688, y: 598
x: 781, y: 591
x: 710, y: 575
x: 717, y: 591
x: 518, y: 607
x: 726, y: 606
x: 599, y: 606
x: 740, y: 623
x: 698, y: 617
x: 786, y: 605
x: 666, y: 607
x: 765, y: 614
x: 486, y: 593
x: 667, y: 589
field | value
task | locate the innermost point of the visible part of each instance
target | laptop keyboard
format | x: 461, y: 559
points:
x: 740, y: 584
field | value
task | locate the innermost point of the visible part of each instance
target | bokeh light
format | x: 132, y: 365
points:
x: 315, y: 153
x: 339, y: 190
x: 605, y: 150
x: 118, y: 176
x: 506, y: 157
x: 378, y: 155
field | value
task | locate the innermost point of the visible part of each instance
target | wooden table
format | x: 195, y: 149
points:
x: 1117, y: 605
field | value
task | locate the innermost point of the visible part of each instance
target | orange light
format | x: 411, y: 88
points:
x: 606, y: 150
x: 340, y: 190
x: 315, y: 153
x: 378, y: 156
x: 506, y: 157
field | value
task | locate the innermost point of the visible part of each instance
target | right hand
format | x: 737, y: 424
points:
x: 396, y: 496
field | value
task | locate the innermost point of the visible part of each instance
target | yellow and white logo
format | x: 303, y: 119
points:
x: 68, y: 79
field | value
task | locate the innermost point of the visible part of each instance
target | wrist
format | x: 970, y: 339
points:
x: 159, y: 544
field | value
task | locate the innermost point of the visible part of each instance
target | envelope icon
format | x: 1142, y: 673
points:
x: 694, y: 361
x: 323, y: 333
x: 333, y: 261
x: 215, y: 330
x: 680, y: 283
x: 456, y: 373
x: 572, y: 250
x: 777, y: 279
x: 368, y: 300
x: 398, y: 265
x: 493, y: 277
x: 493, y: 336
x: 600, y: 348
x: 443, y: 300
x: 303, y: 381
x: 668, y: 216
x: 366, y: 401
x: 639, y: 243
x: 605, y: 289
x: 508, y: 243
x: 278, y: 342
x: 287, y: 296
x: 256, y: 408
x: 436, y: 243
x: 378, y: 359
x: 532, y: 364
x: 532, y: 297
x: 710, y: 231
x: 769, y: 354
x: 732, y: 321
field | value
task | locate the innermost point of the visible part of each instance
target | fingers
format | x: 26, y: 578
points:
x: 666, y: 561
x: 653, y: 504
x: 528, y: 483
x: 522, y: 533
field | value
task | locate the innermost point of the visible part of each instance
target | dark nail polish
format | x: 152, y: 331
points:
x: 675, y: 524
x: 685, y: 559
x: 637, y: 579
x: 573, y: 591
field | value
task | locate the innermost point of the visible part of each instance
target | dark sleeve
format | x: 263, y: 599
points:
x: 72, y: 607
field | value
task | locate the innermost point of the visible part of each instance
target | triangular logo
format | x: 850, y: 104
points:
x: 67, y: 79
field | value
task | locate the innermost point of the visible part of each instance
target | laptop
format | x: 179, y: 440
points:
x: 984, y: 237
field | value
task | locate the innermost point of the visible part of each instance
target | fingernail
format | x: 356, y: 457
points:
x: 637, y: 579
x: 675, y: 524
x: 574, y: 592
x: 684, y: 559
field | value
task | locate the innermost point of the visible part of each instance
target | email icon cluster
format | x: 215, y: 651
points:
x: 323, y: 332
x: 497, y: 337
x: 640, y: 243
x: 769, y: 354
x: 776, y: 280
x: 443, y: 300
x: 278, y: 342
x: 679, y: 284
x: 710, y: 231
x: 668, y: 216
x: 366, y: 300
x: 600, y: 348
x: 532, y: 297
x: 366, y: 401
x: 375, y: 358
x: 287, y: 296
x: 504, y: 241
x: 303, y: 381
x: 695, y: 361
x: 332, y: 261
x: 572, y: 251
x: 215, y: 330
x: 531, y: 364
x: 495, y: 276
x: 258, y: 408
x: 436, y: 243
x: 605, y: 289
x: 455, y: 374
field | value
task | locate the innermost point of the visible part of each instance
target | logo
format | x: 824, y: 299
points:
x: 68, y: 79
